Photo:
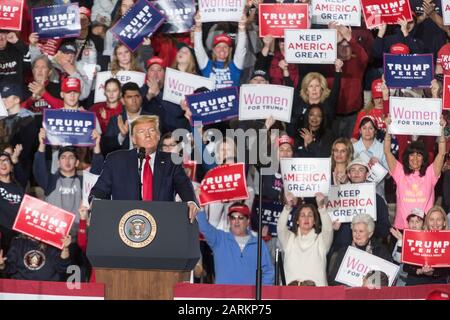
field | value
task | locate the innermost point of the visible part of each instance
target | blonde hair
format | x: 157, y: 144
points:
x: 350, y: 151
x: 115, y: 67
x: 191, y: 67
x: 434, y: 209
x: 227, y: 62
x: 323, y: 85
x: 146, y: 119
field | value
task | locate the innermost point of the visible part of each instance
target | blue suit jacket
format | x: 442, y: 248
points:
x: 120, y: 179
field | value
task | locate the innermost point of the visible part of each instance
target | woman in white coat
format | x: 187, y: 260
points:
x: 307, y: 244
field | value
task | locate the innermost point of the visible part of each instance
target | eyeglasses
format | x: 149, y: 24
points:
x: 234, y: 217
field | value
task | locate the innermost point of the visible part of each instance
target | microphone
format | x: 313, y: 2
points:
x: 141, y: 156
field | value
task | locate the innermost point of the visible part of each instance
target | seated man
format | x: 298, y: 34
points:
x: 235, y: 252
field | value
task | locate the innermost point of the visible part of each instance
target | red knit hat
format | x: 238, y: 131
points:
x: 377, y: 92
x: 241, y: 208
x: 222, y: 38
x: 399, y: 48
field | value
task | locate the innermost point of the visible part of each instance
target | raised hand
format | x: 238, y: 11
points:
x: 123, y: 126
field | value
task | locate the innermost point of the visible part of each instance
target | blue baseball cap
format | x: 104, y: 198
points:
x: 11, y: 90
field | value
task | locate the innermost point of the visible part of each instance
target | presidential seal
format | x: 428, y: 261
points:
x: 34, y: 260
x: 137, y: 228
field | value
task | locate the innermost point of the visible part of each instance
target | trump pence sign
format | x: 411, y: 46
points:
x: 426, y: 248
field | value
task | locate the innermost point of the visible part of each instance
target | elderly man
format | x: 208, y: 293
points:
x: 126, y: 177
x: 235, y: 252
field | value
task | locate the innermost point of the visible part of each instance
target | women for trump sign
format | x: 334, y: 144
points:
x: 304, y: 177
x: 357, y: 263
x: 310, y: 46
x: 274, y: 18
x: 348, y: 200
x: 426, y: 248
x: 221, y: 10
x: 43, y: 221
x: 260, y: 101
x: 224, y: 183
x: 420, y: 116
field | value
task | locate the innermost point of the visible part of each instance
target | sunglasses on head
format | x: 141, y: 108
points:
x: 239, y: 217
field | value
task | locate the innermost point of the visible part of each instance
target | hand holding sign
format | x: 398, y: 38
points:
x: 2, y: 260
x: 198, y: 22
x: 242, y: 23
x: 320, y: 200
x: 338, y: 64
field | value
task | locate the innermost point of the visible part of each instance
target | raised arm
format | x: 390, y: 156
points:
x: 390, y: 159
x: 438, y: 162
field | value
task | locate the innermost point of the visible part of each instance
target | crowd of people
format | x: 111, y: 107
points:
x: 339, y: 111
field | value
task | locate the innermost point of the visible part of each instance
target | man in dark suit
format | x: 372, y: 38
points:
x: 160, y: 178
x: 117, y: 135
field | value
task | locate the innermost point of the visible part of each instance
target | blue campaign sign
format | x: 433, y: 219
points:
x: 271, y: 212
x: 139, y: 22
x: 214, y: 106
x: 414, y: 71
x: 179, y: 15
x: 57, y: 21
x: 69, y: 128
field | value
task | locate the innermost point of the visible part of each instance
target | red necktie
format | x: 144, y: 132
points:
x: 147, y: 185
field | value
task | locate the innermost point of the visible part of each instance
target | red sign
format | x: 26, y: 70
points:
x: 426, y: 247
x: 42, y: 221
x: 446, y: 94
x: 274, y: 18
x: 377, y: 12
x: 11, y: 14
x: 190, y: 167
x: 224, y: 183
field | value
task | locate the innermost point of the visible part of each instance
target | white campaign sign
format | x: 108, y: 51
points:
x: 221, y: 10
x: 304, y: 177
x: 122, y: 76
x: 345, y: 12
x: 348, y: 200
x: 260, y: 101
x: 357, y: 263
x: 310, y: 46
x: 177, y: 84
x: 89, y: 180
x: 419, y: 116
x: 446, y: 11
x: 3, y: 111
x: 376, y: 171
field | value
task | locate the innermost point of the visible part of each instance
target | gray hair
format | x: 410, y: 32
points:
x: 43, y: 57
x: 364, y: 218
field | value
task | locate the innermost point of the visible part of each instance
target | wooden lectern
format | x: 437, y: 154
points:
x: 140, y: 249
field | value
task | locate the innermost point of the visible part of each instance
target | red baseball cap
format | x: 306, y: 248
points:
x: 399, y: 48
x: 438, y: 295
x: 156, y: 60
x: 443, y: 58
x: 222, y: 38
x: 71, y: 84
x: 241, y: 208
x: 377, y: 92
x: 285, y: 139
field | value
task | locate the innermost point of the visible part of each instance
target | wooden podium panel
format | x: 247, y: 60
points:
x: 128, y: 284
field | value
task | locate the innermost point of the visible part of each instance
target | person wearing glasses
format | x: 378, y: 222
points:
x: 235, y: 252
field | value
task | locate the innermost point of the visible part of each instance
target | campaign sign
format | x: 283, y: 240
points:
x: 446, y: 11
x: 377, y: 12
x: 140, y: 21
x: 89, y: 180
x: 348, y: 200
x: 345, y: 12
x: 221, y: 10
x: 43, y: 221
x: 274, y: 18
x: 224, y: 183
x: 310, y: 46
x: 417, y: 6
x: 271, y: 211
x: 3, y: 111
x: 426, y: 248
x: 122, y: 76
x: 177, y: 84
x: 304, y: 177
x: 420, y: 116
x: 214, y: 106
x: 57, y: 21
x: 376, y: 171
x: 190, y: 167
x: 260, y: 101
x: 69, y: 128
x: 179, y: 15
x: 357, y: 263
x: 409, y: 70
x: 446, y: 93
x: 11, y: 14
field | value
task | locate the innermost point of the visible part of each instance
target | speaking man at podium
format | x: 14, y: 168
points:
x: 144, y: 173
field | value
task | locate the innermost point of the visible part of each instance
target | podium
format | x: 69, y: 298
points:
x: 141, y: 249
